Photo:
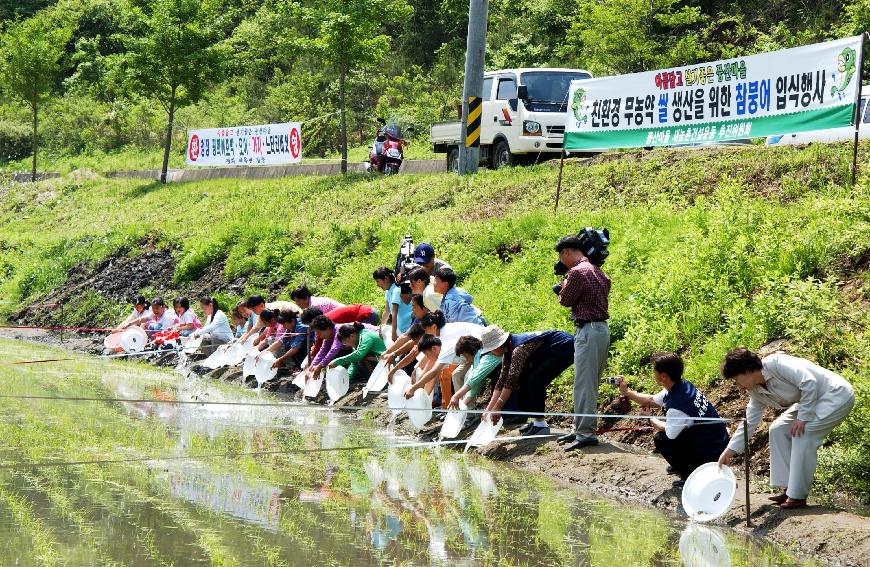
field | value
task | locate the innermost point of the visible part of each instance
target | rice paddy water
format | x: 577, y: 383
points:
x: 282, y: 492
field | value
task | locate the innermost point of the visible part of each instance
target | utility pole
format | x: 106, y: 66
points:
x: 469, y: 149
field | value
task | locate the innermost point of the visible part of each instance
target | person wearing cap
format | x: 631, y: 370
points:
x: 424, y: 256
x: 685, y: 443
x: 457, y: 308
x: 814, y: 400
x: 585, y: 290
x: 530, y: 362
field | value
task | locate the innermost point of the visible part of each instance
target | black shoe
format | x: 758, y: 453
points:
x: 567, y: 438
x: 679, y: 483
x: 525, y: 427
x: 580, y: 443
x: 536, y: 430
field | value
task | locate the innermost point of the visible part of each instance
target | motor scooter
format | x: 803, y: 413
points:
x: 387, y: 153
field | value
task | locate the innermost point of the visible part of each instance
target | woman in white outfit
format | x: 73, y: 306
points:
x: 814, y: 400
x: 217, y: 328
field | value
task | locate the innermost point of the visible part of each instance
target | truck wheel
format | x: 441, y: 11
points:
x: 502, y: 157
x: 453, y: 160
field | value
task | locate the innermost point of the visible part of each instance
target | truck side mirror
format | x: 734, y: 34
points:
x: 523, y: 92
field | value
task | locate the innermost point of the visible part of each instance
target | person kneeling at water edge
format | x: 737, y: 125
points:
x: 475, y: 379
x: 217, y: 327
x: 367, y: 347
x: 531, y: 361
x: 685, y: 444
x: 815, y: 401
x: 289, y: 344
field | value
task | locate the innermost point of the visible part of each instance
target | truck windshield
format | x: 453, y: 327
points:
x: 548, y: 90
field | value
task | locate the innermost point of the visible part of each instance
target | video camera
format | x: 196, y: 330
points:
x: 593, y: 243
x: 405, y: 258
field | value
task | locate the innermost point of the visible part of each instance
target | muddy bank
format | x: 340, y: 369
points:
x: 621, y: 468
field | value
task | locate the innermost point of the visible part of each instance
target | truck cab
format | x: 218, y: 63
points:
x: 522, y: 120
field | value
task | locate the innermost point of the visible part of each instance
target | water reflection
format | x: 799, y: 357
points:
x: 704, y: 546
x: 431, y: 506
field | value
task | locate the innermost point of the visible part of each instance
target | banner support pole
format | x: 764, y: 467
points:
x: 559, y: 179
x: 858, y: 116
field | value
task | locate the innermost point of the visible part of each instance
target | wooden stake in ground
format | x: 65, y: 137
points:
x: 559, y: 179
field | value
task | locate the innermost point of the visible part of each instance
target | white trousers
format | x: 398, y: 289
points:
x: 793, y: 459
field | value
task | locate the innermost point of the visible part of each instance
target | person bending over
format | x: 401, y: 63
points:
x: 813, y: 401
x: 482, y: 366
x: 327, y: 344
x: 289, y: 348
x: 449, y: 367
x: 162, y: 318
x: 430, y: 347
x: 531, y: 361
x: 456, y: 307
x: 367, y: 346
x: 684, y: 443
x: 302, y: 297
x: 407, y: 354
x: 141, y: 313
x: 257, y: 304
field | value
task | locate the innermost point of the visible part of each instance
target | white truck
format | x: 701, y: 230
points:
x: 523, y: 117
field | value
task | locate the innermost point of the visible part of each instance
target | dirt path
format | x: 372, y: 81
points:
x: 628, y: 473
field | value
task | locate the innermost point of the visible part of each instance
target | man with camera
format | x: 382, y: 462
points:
x: 685, y: 443
x: 585, y: 290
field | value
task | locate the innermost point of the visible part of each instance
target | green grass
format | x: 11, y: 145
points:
x: 711, y: 249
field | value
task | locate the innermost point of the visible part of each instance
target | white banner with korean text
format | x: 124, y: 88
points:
x: 794, y: 90
x: 265, y: 144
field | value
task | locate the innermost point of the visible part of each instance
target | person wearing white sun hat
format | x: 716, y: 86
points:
x: 530, y: 362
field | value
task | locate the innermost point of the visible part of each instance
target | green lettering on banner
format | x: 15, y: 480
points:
x: 806, y: 121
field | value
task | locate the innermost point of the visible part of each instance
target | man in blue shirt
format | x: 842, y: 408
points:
x: 294, y: 342
x: 457, y: 308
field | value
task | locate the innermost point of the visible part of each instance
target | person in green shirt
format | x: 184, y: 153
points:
x: 367, y: 347
x: 481, y: 369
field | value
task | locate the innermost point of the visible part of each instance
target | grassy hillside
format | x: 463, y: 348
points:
x: 711, y: 249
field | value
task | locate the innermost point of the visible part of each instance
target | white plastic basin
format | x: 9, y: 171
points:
x: 453, y: 422
x: 191, y: 344
x: 264, y: 372
x: 419, y: 409
x: 396, y: 392
x: 377, y: 380
x: 702, y: 546
x: 133, y: 339
x: 113, y: 342
x: 709, y: 492
x: 312, y: 387
x: 250, y: 366
x: 485, y: 433
x: 337, y: 382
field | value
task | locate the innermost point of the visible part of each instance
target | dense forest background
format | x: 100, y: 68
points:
x: 113, y: 62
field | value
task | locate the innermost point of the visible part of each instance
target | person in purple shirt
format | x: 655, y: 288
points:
x: 302, y: 297
x: 455, y: 303
x: 330, y: 348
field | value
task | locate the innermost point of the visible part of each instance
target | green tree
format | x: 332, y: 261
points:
x: 175, y: 50
x: 627, y: 36
x: 349, y: 35
x: 31, y: 51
